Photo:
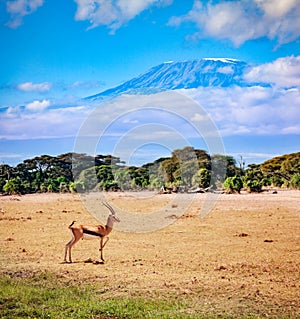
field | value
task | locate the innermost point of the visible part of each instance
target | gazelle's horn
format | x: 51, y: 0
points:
x: 109, y: 207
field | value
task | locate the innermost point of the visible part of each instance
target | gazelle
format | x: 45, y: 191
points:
x: 88, y: 232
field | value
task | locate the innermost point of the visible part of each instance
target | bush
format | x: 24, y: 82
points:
x: 277, y: 181
x: 63, y: 187
x: 76, y: 187
x: 295, y: 181
x: 233, y: 184
x: 108, y: 186
x: 155, y: 182
x: 253, y: 179
x: 253, y: 186
x: 13, y: 186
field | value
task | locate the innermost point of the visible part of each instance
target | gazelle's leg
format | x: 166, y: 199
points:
x: 106, y: 240
x: 67, y: 249
x: 70, y: 244
x: 101, y: 249
x: 102, y: 245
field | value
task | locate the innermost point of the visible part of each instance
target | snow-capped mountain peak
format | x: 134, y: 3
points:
x: 224, y: 60
x: 172, y: 75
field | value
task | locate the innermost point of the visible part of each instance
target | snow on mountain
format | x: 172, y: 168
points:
x: 171, y: 75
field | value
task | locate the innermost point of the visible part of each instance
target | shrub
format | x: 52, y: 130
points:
x: 14, y: 186
x: 233, y: 184
x: 295, y: 181
x: 253, y: 186
x: 277, y: 181
x: 76, y: 187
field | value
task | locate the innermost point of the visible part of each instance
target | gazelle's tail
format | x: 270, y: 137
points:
x: 73, y: 222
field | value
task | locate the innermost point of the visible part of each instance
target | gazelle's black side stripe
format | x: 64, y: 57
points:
x: 90, y: 232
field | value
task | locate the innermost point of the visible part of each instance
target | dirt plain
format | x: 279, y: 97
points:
x: 240, y: 259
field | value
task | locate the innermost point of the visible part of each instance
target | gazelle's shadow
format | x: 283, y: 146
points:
x: 88, y: 261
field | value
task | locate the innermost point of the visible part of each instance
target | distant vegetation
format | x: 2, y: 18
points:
x: 186, y: 169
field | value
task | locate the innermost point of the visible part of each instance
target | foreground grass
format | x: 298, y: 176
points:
x: 43, y: 296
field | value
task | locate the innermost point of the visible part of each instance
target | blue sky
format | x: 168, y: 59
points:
x: 53, y: 53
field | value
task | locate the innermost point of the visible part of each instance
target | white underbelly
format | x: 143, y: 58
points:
x: 88, y: 236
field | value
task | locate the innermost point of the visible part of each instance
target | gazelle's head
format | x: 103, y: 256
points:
x: 115, y: 218
x: 112, y: 215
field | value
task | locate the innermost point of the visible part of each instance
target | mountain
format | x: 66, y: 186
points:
x: 181, y: 75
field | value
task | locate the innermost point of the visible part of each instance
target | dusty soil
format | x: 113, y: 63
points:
x: 241, y: 259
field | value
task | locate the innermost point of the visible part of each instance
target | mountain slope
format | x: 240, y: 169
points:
x: 181, y: 75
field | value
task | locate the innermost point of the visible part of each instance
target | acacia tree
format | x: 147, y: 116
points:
x: 187, y: 166
x: 167, y: 169
x: 155, y: 174
x: 183, y: 165
x: 88, y: 179
x: 80, y: 162
x: 223, y: 166
x: 280, y: 169
x: 202, y: 178
x: 122, y: 178
x: 185, y: 172
x: 105, y: 177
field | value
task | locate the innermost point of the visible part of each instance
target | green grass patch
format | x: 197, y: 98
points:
x: 45, y: 296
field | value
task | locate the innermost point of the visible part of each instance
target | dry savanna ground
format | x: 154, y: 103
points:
x: 241, y: 259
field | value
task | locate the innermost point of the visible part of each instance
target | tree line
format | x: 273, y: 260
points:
x: 187, y: 169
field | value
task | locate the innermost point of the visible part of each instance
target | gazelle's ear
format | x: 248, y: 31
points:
x: 109, y: 207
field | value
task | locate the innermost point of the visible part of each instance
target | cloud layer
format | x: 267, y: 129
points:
x: 38, y: 120
x: 240, y: 21
x: 252, y: 110
x: 113, y: 13
x: 38, y: 106
x: 255, y: 110
x: 19, y: 9
x: 110, y: 13
x: 236, y: 21
x: 284, y: 72
x: 31, y: 87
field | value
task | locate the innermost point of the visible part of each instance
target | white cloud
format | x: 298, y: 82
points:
x: 252, y: 157
x: 240, y: 21
x: 250, y: 110
x: 11, y: 112
x: 283, y: 72
x: 29, y: 86
x: 129, y: 121
x: 276, y: 8
x: 255, y: 155
x: 235, y: 110
x: 199, y: 117
x: 20, y: 8
x: 291, y: 130
x: 18, y: 123
x: 113, y: 13
x: 38, y: 106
